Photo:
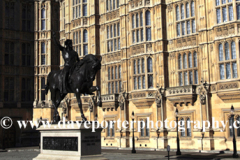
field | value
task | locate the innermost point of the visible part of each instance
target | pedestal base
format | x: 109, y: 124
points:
x: 73, y: 143
x: 57, y: 157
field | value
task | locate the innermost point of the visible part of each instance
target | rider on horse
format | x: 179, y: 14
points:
x: 70, y: 58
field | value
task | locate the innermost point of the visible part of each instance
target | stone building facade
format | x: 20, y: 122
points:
x: 16, y: 69
x: 158, y: 56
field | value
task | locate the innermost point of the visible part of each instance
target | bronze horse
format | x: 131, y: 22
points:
x: 79, y: 82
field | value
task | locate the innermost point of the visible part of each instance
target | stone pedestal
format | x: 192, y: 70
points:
x: 72, y: 142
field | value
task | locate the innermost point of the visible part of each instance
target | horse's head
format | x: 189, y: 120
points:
x: 95, y: 67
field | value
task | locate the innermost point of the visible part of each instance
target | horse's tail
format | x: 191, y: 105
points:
x: 47, y: 85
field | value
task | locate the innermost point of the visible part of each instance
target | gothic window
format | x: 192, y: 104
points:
x: 43, y: 18
x: 141, y: 19
x: 114, y: 79
x: 26, y: 89
x: 187, y: 10
x: 112, y: 4
x: 77, y: 45
x: 109, y: 88
x: 179, y: 61
x: 183, y: 28
x: 182, y: 123
x: 139, y: 73
x: 178, y: 29
x: 9, y: 15
x: 26, y: 17
x: 190, y: 60
x: 189, y: 73
x: 9, y: 89
x: 43, y: 53
x: 227, y: 64
x: 148, y: 25
x: 43, y: 89
x: 185, y: 25
x: 150, y: 74
x: 144, y: 132
x: 225, y: 11
x: 84, y: 9
x: 188, y: 27
x: 192, y: 9
x: 9, y: 53
x: 111, y: 129
x: 186, y: 125
x: 177, y: 13
x: 184, y: 61
x: 233, y: 50
x: 230, y: 10
x: 109, y: 74
x: 238, y: 11
x: 26, y: 54
x: 85, y: 42
x: 189, y: 133
x: 182, y: 11
x: 113, y: 37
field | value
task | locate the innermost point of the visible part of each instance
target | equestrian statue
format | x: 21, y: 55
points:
x: 77, y: 77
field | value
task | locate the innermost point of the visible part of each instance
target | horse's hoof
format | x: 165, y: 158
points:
x: 99, y: 103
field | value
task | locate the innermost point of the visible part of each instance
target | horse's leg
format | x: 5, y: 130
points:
x: 59, y: 98
x: 53, y: 97
x: 96, y: 88
x: 80, y: 105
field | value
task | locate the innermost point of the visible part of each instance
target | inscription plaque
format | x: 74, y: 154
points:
x: 60, y: 143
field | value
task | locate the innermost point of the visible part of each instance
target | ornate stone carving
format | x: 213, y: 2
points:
x: 91, y: 103
x: 122, y: 100
x: 203, y: 91
x: 158, y: 96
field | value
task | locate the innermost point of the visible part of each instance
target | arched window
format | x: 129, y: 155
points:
x: 143, y: 65
x: 85, y: 36
x: 135, y: 82
x: 233, y: 48
x: 148, y: 23
x: 114, y: 4
x: 85, y: 10
x: 139, y: 83
x: 192, y: 9
x: 179, y: 61
x: 107, y: 31
x: 109, y: 74
x: 110, y: 5
x: 187, y: 10
x: 133, y: 21
x: 43, y: 19
x: 112, y: 73
x: 112, y: 87
x: 116, y: 74
x: 185, y: 78
x: 109, y: 88
x: 117, y: 3
x: 141, y: 19
x: 137, y: 20
x: 139, y: 66
x: 184, y: 61
x: 43, y: 51
x: 115, y: 30
x: 182, y: 11
x: 189, y: 134
x: 134, y: 66
x: 119, y: 72
x: 149, y: 63
x: 177, y: 12
x: 116, y: 87
x: 107, y: 4
x: 190, y: 60
x: 195, y: 59
x: 220, y: 52
x: 43, y: 89
x: 148, y: 18
x: 183, y: 126
x: 227, y: 54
